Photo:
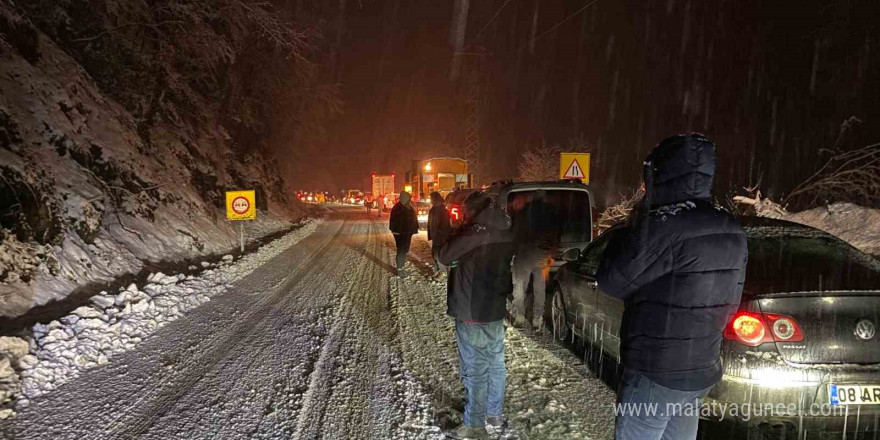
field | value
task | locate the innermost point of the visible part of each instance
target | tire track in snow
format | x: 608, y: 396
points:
x: 156, y: 404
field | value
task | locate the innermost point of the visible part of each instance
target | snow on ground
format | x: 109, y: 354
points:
x: 321, y: 341
x: 114, y: 323
x: 550, y: 393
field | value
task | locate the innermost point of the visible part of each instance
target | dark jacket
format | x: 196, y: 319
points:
x: 679, y: 270
x: 403, y: 220
x: 479, y: 279
x: 438, y: 225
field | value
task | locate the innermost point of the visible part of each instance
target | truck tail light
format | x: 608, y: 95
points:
x: 753, y: 328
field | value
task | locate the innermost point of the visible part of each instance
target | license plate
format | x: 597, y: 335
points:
x: 854, y: 394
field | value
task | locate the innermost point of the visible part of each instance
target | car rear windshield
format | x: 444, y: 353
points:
x: 571, y: 207
x: 797, y: 259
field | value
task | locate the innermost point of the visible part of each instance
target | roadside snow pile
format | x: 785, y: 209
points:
x: 857, y: 225
x: 114, y: 323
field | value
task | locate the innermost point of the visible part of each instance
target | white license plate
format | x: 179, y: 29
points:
x: 854, y: 394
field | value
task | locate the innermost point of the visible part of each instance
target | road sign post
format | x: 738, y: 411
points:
x: 241, y: 206
x: 575, y: 166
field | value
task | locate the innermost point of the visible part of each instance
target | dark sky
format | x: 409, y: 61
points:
x: 770, y: 81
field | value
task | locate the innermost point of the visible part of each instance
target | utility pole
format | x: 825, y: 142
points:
x: 472, y: 116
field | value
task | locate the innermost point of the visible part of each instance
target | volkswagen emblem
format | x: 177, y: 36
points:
x: 865, y: 330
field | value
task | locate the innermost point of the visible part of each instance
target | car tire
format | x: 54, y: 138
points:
x: 561, y: 329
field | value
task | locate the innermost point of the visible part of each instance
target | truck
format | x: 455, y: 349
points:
x: 441, y: 174
x: 382, y: 191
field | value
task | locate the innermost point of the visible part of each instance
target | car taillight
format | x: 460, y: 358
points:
x: 754, y: 329
x: 455, y: 212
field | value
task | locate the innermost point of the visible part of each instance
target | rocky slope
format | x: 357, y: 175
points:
x: 88, y: 194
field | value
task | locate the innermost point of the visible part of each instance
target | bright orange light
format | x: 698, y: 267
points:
x: 408, y: 188
x: 428, y: 166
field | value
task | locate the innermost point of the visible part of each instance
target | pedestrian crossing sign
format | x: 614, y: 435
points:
x: 575, y: 166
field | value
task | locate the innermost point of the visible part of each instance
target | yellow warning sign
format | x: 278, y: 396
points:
x: 574, y: 166
x: 241, y: 205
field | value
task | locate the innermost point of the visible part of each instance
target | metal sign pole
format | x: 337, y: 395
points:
x: 241, y: 230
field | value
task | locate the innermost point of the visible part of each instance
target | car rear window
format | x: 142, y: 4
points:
x: 797, y: 259
x: 571, y: 207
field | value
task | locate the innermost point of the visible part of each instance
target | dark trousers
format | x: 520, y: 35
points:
x: 403, y: 241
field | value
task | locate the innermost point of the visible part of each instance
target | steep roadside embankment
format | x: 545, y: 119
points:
x: 89, y: 193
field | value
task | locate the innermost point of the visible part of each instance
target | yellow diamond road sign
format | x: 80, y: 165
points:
x: 575, y: 166
x: 241, y: 205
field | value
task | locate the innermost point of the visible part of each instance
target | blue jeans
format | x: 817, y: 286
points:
x: 647, y: 410
x: 481, y: 369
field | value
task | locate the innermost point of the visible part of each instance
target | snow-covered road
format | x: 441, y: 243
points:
x: 321, y: 342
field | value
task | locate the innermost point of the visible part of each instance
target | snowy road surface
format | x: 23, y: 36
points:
x: 322, y: 342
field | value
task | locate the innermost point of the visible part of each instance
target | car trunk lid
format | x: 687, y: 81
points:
x: 838, y: 327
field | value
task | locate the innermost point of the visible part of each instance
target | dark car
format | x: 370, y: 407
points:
x: 804, y: 335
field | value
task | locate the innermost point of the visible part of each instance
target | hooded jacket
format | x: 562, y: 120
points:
x: 479, y: 256
x: 403, y: 219
x: 679, y: 268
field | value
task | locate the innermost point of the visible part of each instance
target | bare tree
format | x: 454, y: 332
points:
x: 618, y: 213
x: 850, y: 176
x: 542, y: 163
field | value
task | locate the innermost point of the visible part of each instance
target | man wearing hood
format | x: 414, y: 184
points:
x: 479, y: 282
x: 403, y: 224
x: 679, y: 267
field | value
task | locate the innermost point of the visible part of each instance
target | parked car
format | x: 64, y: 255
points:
x: 804, y: 333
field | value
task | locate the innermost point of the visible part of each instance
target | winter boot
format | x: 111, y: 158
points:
x: 497, y: 422
x: 466, y: 432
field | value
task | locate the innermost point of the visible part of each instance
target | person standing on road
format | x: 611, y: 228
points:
x: 679, y: 268
x: 403, y: 224
x: 479, y: 257
x: 537, y: 235
x: 438, y: 228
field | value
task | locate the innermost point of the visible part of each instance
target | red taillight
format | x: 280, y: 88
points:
x: 754, y: 329
x: 455, y: 212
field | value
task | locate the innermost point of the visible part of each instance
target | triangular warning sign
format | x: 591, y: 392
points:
x: 574, y: 171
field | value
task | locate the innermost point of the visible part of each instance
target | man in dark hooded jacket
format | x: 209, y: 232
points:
x: 438, y: 228
x: 403, y: 224
x: 476, y: 294
x: 679, y: 267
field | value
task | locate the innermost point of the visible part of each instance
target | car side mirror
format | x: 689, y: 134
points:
x: 572, y: 254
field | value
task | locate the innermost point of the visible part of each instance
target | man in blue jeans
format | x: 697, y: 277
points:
x: 679, y: 268
x: 479, y: 257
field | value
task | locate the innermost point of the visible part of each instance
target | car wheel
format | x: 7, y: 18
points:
x: 561, y: 331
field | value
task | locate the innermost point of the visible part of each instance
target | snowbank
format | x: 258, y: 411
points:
x: 114, y: 323
x: 857, y: 225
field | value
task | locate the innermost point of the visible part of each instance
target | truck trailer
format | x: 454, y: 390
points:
x: 441, y: 174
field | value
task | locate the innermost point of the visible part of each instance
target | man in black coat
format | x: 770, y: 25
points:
x: 476, y: 294
x: 403, y: 224
x: 679, y: 268
x: 438, y: 227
